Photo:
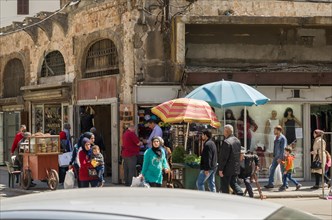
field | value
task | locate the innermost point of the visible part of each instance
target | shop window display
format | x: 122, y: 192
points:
x: 266, y: 117
x: 49, y: 118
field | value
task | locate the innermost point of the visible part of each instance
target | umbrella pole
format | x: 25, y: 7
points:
x: 186, y: 137
x: 224, y: 116
x: 245, y: 127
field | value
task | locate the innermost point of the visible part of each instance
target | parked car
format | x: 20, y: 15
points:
x: 141, y: 203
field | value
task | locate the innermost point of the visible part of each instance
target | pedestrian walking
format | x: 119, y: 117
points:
x: 75, y: 162
x: 249, y: 164
x: 229, y: 162
x: 288, y: 163
x: 84, y: 156
x: 316, y: 152
x: 280, y: 144
x: 130, y: 152
x: 154, y: 163
x: 208, y: 165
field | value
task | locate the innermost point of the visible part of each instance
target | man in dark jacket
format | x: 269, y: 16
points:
x: 208, y: 164
x: 229, y: 162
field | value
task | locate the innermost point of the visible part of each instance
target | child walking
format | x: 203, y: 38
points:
x: 97, y: 159
x: 289, y: 166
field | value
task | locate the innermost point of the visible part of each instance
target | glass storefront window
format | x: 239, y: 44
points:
x: 38, y: 119
x: 260, y: 136
x: 49, y: 118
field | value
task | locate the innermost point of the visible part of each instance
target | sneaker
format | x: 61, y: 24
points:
x: 283, y: 188
x: 32, y: 184
x: 298, y: 186
x: 269, y: 186
x: 314, y: 187
x: 287, y: 187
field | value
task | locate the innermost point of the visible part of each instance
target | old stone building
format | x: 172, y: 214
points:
x: 123, y: 55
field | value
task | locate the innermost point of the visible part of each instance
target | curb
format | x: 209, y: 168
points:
x: 289, y: 196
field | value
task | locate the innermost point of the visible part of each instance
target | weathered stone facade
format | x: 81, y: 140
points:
x: 157, y: 42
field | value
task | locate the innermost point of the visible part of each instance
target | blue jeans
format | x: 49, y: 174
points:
x: 289, y: 176
x: 100, y: 170
x: 273, y: 169
x: 202, y: 178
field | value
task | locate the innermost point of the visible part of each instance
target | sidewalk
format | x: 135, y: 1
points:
x: 303, y: 192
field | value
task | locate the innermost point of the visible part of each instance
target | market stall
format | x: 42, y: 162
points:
x: 191, y: 112
x: 40, y: 160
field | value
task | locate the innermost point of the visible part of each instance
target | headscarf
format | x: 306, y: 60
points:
x: 84, y: 141
x: 157, y: 150
x: 87, y: 135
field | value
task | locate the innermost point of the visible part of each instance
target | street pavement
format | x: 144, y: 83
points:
x: 303, y: 192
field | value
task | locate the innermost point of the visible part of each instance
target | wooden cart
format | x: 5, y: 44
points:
x: 40, y: 161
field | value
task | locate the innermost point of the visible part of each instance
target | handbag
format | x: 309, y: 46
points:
x: 92, y: 172
x: 316, y: 163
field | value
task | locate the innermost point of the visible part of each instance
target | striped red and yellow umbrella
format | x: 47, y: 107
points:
x: 186, y: 110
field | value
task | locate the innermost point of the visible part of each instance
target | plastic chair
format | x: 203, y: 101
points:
x: 12, y: 173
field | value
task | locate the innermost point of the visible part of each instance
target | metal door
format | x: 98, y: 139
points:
x: 11, y: 124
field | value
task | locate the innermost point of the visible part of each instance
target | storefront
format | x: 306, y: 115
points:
x: 49, y: 107
x: 103, y: 106
x: 308, y: 104
x: 147, y: 97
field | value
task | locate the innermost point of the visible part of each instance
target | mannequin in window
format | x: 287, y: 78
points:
x: 230, y: 119
x: 289, y: 124
x: 270, y: 124
x: 251, y: 126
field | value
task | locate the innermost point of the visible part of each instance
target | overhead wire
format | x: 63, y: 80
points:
x: 34, y: 24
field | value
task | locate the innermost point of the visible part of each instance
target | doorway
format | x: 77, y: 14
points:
x: 321, y: 118
x: 102, y: 117
x: 11, y: 123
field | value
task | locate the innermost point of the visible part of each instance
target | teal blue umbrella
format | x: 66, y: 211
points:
x: 228, y: 93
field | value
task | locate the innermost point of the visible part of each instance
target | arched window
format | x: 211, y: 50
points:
x: 53, y: 65
x: 13, y: 78
x: 102, y: 59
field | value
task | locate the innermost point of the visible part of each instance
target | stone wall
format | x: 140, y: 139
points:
x: 253, y: 8
x: 301, y: 34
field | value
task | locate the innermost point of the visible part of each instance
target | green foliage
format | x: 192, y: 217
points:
x: 192, y: 158
x: 178, y: 155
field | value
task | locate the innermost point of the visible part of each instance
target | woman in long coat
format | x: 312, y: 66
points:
x: 317, y: 151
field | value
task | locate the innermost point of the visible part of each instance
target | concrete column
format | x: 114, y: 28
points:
x: 128, y: 59
x: 180, y: 47
x: 306, y: 142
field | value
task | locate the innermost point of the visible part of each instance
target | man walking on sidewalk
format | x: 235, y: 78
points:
x: 280, y: 144
x: 208, y: 164
x: 229, y: 162
x: 130, y: 152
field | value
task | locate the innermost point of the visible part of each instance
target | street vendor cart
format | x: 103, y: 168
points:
x: 40, y: 161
